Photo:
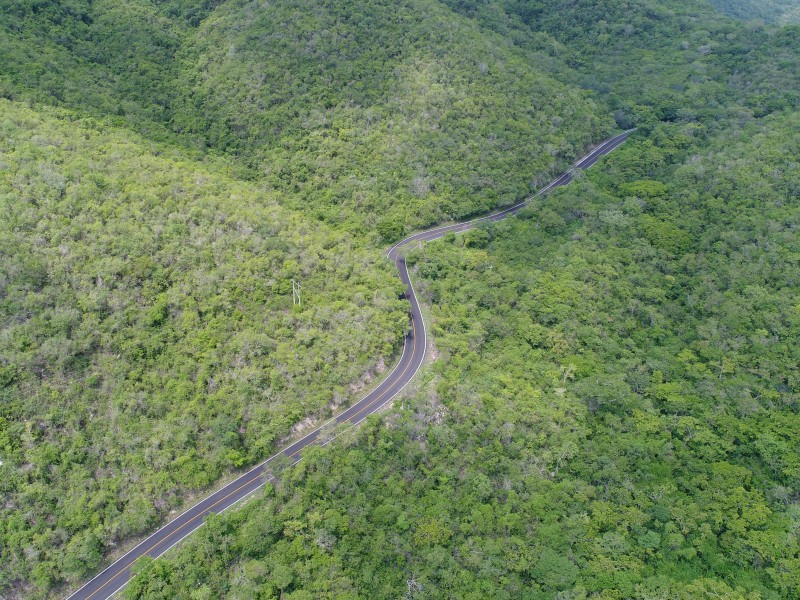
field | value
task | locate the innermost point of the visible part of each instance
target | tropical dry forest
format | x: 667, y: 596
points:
x: 611, y: 403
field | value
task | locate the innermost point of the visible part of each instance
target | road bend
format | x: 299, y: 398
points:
x: 111, y: 580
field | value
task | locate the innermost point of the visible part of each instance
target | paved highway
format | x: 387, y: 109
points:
x: 117, y: 575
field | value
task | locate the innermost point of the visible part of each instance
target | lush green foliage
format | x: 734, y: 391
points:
x: 613, y: 413
x: 104, y: 57
x: 667, y: 60
x: 149, y: 343
x: 390, y: 114
x: 782, y: 11
x: 614, y: 410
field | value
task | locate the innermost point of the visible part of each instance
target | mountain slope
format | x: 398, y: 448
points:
x: 403, y: 113
x: 656, y: 60
x: 105, y: 58
x: 612, y: 413
x: 781, y: 11
x: 203, y: 155
x: 395, y: 114
x: 148, y: 342
x: 613, y: 406
x: 206, y: 153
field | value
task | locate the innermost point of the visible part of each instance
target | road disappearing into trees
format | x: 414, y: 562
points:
x: 116, y: 576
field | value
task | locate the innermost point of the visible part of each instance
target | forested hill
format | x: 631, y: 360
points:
x: 149, y: 342
x: 654, y: 61
x: 781, y: 11
x: 166, y: 170
x: 613, y: 408
x: 613, y: 411
x: 385, y: 115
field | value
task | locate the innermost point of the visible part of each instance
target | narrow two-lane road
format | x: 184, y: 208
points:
x: 117, y: 575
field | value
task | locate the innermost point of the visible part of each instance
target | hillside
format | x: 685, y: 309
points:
x: 168, y: 168
x: 392, y: 115
x: 104, y: 58
x: 611, y: 403
x: 780, y: 11
x: 612, y: 406
x: 148, y: 342
x: 651, y: 61
x: 389, y: 114
x: 612, y: 413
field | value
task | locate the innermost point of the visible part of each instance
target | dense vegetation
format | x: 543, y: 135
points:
x: 110, y: 59
x: 149, y: 342
x: 393, y: 115
x: 655, y: 61
x: 782, y: 11
x: 613, y: 412
x: 613, y: 408
x: 201, y: 157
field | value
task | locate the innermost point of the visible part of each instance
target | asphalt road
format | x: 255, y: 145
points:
x: 116, y: 576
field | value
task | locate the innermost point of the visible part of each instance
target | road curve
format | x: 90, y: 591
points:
x: 117, y: 575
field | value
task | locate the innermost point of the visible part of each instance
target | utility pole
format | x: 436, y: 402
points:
x: 295, y: 292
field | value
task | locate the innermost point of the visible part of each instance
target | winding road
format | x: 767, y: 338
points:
x: 117, y: 575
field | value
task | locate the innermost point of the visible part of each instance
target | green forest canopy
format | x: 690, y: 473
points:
x: 781, y: 11
x: 613, y: 412
x: 204, y: 153
x: 149, y: 343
